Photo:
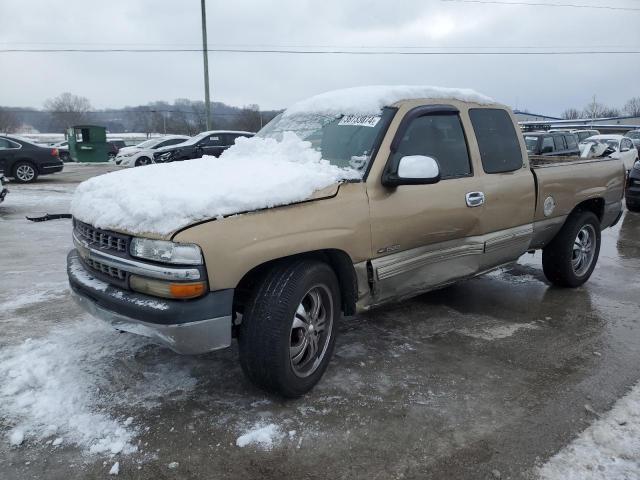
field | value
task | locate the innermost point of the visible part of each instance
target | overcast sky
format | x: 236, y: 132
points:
x: 543, y: 84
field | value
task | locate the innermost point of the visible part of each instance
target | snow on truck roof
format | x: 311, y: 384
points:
x: 371, y: 99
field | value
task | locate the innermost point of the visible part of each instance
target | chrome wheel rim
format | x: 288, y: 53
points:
x: 311, y: 331
x: 25, y: 173
x: 584, y: 249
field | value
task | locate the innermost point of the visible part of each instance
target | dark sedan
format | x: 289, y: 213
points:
x: 206, y: 143
x: 25, y: 161
x: 632, y: 192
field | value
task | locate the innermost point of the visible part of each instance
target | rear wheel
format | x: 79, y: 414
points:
x: 288, y: 329
x: 142, y: 161
x: 25, y: 172
x: 570, y: 258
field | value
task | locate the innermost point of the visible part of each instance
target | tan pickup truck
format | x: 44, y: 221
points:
x: 446, y: 192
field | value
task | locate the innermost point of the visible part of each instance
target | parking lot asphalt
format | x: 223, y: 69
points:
x: 484, y: 379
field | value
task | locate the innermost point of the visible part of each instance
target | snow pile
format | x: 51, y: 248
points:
x: 371, y: 99
x: 608, y: 449
x: 263, y: 436
x: 255, y: 173
x: 59, y: 387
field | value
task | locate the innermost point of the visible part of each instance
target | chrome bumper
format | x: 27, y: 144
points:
x: 184, y: 338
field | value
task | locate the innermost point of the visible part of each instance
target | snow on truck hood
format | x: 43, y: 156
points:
x: 158, y: 199
x: 253, y: 174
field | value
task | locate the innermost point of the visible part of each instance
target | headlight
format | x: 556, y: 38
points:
x: 166, y: 252
x: 636, y: 165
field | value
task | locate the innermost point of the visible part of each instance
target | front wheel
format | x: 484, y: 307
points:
x: 288, y: 329
x: 142, y: 161
x: 570, y: 258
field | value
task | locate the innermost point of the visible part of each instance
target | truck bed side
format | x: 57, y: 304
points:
x: 566, y: 182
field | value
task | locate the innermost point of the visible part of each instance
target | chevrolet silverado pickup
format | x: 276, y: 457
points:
x: 439, y: 188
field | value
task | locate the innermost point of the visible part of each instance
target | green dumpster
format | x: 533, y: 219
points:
x: 88, y: 143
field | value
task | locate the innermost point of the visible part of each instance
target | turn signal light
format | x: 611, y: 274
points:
x: 175, y: 290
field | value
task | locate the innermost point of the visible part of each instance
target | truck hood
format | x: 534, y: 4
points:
x: 254, y: 174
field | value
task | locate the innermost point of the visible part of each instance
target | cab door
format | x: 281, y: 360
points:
x: 507, y: 183
x: 426, y: 235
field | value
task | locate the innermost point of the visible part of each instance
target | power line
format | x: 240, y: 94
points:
x: 540, y: 4
x: 117, y: 112
x: 317, y: 52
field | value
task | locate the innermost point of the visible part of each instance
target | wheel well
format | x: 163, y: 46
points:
x: 338, y: 260
x: 595, y: 205
x: 14, y: 167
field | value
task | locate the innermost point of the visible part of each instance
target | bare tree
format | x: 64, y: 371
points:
x: 632, y: 107
x: 599, y: 110
x: 571, y: 114
x: 249, y: 119
x: 67, y: 110
x: 9, y: 122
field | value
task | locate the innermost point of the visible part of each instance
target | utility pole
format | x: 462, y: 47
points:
x: 205, y: 55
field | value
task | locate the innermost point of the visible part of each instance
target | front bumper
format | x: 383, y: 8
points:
x: 185, y: 326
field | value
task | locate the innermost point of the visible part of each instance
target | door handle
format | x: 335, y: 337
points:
x: 474, y: 199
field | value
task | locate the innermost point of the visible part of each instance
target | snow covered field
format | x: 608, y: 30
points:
x: 490, y: 375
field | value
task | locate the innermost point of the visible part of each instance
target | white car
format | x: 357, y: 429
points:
x: 623, y: 146
x: 142, y: 154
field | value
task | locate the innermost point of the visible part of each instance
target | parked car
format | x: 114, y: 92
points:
x: 584, y: 134
x: 25, y: 161
x: 444, y: 191
x: 620, y: 147
x: 115, y: 145
x: 212, y: 143
x: 551, y: 143
x: 63, y: 150
x: 3, y: 186
x: 142, y: 154
x: 634, y: 135
x: 632, y: 190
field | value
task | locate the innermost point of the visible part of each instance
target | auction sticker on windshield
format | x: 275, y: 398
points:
x: 360, y: 120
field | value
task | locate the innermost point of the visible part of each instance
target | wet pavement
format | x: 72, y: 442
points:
x: 484, y: 379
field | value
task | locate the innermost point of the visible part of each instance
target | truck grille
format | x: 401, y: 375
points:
x: 100, y: 238
x: 112, y: 272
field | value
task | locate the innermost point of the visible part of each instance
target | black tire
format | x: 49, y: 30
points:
x: 25, y: 172
x: 559, y: 257
x: 632, y: 206
x: 142, y: 161
x: 267, y: 335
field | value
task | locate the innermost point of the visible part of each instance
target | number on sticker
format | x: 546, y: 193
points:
x: 360, y: 120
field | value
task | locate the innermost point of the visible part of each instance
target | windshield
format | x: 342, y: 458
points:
x: 532, y: 143
x: 343, y: 140
x: 149, y: 143
x: 196, y: 139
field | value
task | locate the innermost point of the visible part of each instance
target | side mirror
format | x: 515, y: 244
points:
x: 412, y: 170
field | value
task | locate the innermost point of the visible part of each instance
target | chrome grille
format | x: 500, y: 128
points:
x: 112, y: 272
x: 100, y: 238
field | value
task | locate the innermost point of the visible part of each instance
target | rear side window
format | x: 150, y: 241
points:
x: 440, y: 137
x: 497, y: 140
x: 547, y: 145
x: 572, y: 142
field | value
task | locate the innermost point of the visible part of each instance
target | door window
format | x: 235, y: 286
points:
x: 213, y: 141
x: 497, y: 140
x: 8, y: 144
x: 547, y: 145
x: 440, y: 137
x: 558, y: 140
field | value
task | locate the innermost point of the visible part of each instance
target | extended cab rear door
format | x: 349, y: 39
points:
x: 425, y: 235
x: 507, y: 182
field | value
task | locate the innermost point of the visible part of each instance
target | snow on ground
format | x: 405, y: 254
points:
x: 254, y: 173
x: 607, y: 450
x: 57, y: 388
x: 370, y: 99
x: 262, y: 436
